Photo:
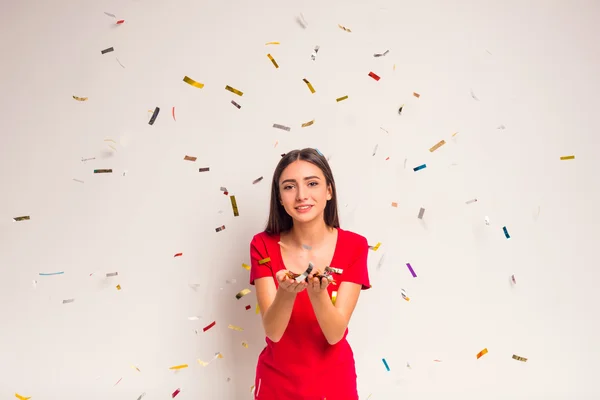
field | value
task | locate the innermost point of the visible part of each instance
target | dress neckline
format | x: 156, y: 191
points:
x: 335, y: 251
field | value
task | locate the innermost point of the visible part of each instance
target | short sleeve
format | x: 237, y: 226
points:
x: 260, y: 264
x: 357, y: 271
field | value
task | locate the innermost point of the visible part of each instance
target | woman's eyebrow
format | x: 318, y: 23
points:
x: 306, y: 179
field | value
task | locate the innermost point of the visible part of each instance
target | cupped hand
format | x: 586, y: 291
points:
x: 317, y: 285
x: 288, y: 284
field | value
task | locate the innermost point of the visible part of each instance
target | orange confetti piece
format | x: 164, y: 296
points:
x: 417, y: 95
x: 482, y: 353
x: 273, y: 60
x: 394, y: 204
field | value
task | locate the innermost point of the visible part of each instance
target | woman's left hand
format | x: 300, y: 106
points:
x: 316, y: 285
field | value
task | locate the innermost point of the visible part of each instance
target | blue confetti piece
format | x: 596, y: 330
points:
x: 386, y: 364
x: 321, y: 154
x: 51, y: 273
x: 506, y: 233
x: 420, y: 167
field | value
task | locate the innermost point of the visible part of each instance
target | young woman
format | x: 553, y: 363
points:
x: 307, y: 356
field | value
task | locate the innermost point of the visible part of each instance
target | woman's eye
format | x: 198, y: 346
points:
x: 287, y: 187
x: 313, y: 183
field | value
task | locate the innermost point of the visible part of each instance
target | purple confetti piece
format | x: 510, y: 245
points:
x: 412, y: 271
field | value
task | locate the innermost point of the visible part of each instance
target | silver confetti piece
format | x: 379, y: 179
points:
x: 108, y: 275
x: 471, y: 201
x: 110, y: 15
x: 68, y: 301
x: 375, y: 149
x: 313, y: 56
x: 421, y: 212
x: 381, y: 54
x: 141, y: 395
x: 285, y: 128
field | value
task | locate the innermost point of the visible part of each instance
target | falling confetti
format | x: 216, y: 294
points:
x: 264, y: 261
x: 235, y: 328
x: 189, y: 158
x: 321, y: 154
x: 68, y: 301
x: 471, y: 201
x: 387, y: 367
x: 506, y: 232
x: 80, y: 98
x: 268, y: 43
x: 220, y: 228
x: 417, y: 95
x: 176, y: 367
x: 234, y: 206
x: 513, y: 280
x: 205, y: 169
x: 248, y: 307
x: 344, y: 28
x: 18, y: 396
x: 518, y: 358
x: 473, y: 95
x: 404, y: 296
x: 374, y: 76
x: 567, y: 158
x: 78, y: 180
x: 242, y: 293
x: 175, y: 393
x: 120, y: 63
x: 421, y: 213
x: 110, y: 15
x: 119, y: 22
x: 381, y: 54
x: 50, y: 273
x: 254, y: 182
x: 23, y: 218
x: 118, y: 287
x: 244, y: 344
x: 341, y: 98
x: 487, y: 220
x: 420, y: 167
x: 310, y: 87
x: 376, y: 247
x: 178, y: 255
x: 154, y: 115
x: 173, y: 114
x: 283, y: 127
x: 233, y: 90
x: 412, y: 271
x: 313, y: 56
x: 192, y: 82
x: 482, y: 353
x: 301, y: 21
x: 501, y: 127
x: 437, y: 146
x: 207, y: 327
x: 272, y: 60
x: 394, y: 204
x: 110, y: 274
x: 400, y: 109
x: 141, y: 395
x: 103, y: 171
x: 107, y: 50
x: 375, y: 149
x: 236, y: 104
x: 309, y: 123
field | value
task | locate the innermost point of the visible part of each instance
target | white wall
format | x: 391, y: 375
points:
x: 533, y: 66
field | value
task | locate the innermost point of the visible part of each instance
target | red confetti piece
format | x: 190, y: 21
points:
x: 173, y: 112
x: 226, y: 193
x: 207, y: 327
x: 119, y: 22
x: 178, y: 255
x: 175, y: 393
x: 118, y: 382
x: 387, y: 159
x: 248, y: 307
x: 374, y: 76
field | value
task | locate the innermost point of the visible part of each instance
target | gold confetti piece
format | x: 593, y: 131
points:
x: 204, y: 364
x: 18, y: 396
x: 437, y: 146
x: 242, y: 293
x: 80, y: 98
x: 118, y: 287
x: 344, y: 28
x: 246, y: 266
x: 394, y: 204
x: 235, y: 91
x: 417, y: 95
x: 182, y: 366
x: 268, y: 43
x: 235, y: 328
x: 234, y: 206
x: 192, y: 82
x: 394, y: 67
x: 24, y: 218
x: 264, y: 261
x: 136, y: 368
x: 454, y: 134
x: 518, y: 358
x: 257, y: 308
x: 252, y: 389
x: 333, y: 297
x: 273, y: 61
x: 341, y: 98
x: 310, y: 87
x: 245, y: 344
x: 482, y: 353
x: 189, y: 158
x: 374, y: 248
x: 309, y: 123
x: 567, y: 158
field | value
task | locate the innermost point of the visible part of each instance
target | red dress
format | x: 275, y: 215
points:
x: 302, y: 365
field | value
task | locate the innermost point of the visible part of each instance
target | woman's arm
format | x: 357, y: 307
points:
x: 275, y: 307
x: 334, y: 320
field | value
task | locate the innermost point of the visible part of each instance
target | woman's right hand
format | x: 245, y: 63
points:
x: 288, y: 284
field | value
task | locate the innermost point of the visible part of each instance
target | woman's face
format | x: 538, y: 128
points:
x: 304, y: 192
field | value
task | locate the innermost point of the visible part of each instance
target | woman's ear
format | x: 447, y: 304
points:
x: 329, y: 192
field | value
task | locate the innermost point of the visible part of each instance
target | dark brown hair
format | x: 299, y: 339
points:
x: 279, y: 219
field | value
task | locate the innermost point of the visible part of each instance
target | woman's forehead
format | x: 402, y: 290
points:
x: 301, y: 169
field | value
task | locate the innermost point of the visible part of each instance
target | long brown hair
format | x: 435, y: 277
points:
x: 279, y: 219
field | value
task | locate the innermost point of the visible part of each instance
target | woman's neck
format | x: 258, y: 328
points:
x: 310, y: 234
